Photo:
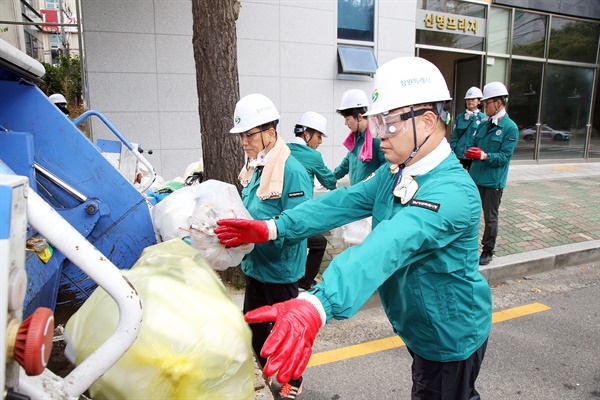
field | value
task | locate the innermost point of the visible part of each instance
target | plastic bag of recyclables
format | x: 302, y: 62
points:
x: 352, y: 233
x: 191, y: 213
x: 193, y: 342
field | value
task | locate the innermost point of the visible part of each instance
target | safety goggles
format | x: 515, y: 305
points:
x: 386, y: 125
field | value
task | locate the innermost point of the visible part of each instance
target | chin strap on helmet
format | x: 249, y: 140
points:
x: 417, y: 147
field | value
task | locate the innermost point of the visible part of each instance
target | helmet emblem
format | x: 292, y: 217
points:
x: 375, y: 96
x: 237, y: 120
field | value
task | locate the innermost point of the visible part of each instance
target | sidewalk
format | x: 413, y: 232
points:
x: 546, y: 210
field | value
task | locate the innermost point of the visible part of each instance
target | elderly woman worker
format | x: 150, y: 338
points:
x: 273, y: 181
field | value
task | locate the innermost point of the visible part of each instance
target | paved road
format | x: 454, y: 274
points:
x: 551, y: 353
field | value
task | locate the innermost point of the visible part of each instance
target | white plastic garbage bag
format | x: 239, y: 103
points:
x: 193, y: 342
x: 352, y: 233
x: 191, y: 213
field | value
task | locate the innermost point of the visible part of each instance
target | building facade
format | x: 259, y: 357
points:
x: 140, y: 71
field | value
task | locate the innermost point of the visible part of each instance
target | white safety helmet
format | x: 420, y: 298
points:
x: 57, y: 98
x: 353, y: 98
x: 473, y: 93
x: 311, y: 119
x: 494, y: 89
x: 407, y: 81
x: 252, y: 111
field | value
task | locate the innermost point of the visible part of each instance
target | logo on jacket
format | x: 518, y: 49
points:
x: 425, y: 204
x: 499, y: 132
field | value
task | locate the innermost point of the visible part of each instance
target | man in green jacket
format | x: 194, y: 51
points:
x: 494, y: 143
x: 364, y: 152
x: 273, y: 181
x: 310, y: 130
x: 422, y: 255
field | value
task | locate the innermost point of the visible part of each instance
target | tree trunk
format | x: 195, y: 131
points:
x: 215, y: 53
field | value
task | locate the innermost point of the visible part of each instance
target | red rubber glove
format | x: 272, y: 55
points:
x: 474, y: 153
x: 289, y: 346
x: 236, y: 232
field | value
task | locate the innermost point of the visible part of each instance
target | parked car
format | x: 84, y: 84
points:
x: 547, y: 133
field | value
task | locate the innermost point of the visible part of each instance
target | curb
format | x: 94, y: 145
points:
x: 533, y: 262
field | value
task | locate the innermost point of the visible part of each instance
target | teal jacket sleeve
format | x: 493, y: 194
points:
x: 507, y: 148
x: 342, y: 169
x: 324, y: 174
x: 412, y: 238
x: 454, y: 137
x: 330, y: 210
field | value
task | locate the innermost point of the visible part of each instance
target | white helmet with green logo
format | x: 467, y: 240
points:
x: 316, y: 121
x: 407, y: 81
x: 494, y: 89
x: 353, y: 98
x: 473, y: 93
x: 252, y: 111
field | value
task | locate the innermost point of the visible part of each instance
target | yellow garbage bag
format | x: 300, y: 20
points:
x: 193, y: 342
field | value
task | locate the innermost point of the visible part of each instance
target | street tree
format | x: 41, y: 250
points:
x: 215, y: 53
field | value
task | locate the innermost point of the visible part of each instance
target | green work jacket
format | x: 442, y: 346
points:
x: 463, y: 131
x: 499, y: 142
x: 279, y: 261
x: 313, y: 162
x: 422, y: 257
x: 360, y: 170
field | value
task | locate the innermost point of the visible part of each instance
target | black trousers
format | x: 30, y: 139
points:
x: 490, y: 202
x: 466, y: 163
x: 260, y: 294
x: 455, y: 380
x: 316, y: 249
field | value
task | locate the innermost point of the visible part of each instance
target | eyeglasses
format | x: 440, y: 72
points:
x: 248, y: 135
x: 383, y: 125
x: 488, y: 102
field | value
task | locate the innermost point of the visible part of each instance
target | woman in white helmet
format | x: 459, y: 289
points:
x: 465, y: 124
x: 273, y: 181
x: 422, y: 255
x: 494, y: 143
x: 364, y: 153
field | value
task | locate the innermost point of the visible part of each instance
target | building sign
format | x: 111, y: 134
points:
x: 50, y: 16
x: 450, y: 23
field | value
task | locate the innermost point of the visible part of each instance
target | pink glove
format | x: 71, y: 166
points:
x: 236, y: 232
x: 475, y: 153
x: 289, y: 346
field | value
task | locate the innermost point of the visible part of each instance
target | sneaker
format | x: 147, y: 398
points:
x: 290, y: 392
x: 486, y: 258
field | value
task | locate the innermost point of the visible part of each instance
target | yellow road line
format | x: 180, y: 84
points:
x: 375, y: 346
x: 565, y: 168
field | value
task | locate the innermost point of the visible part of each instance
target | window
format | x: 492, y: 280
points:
x: 357, y: 60
x: 523, y: 104
x: 529, y: 34
x: 566, y: 108
x: 573, y: 40
x: 52, y: 4
x: 499, y: 26
x: 356, y: 37
x: 356, y: 20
